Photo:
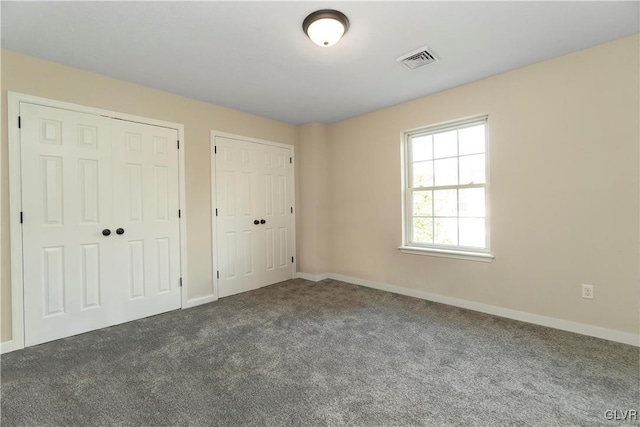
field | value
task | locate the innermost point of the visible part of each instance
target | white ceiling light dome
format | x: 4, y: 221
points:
x: 325, y: 27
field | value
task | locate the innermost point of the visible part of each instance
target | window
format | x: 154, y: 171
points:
x: 445, y: 190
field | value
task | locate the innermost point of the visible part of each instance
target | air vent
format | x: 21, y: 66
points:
x: 417, y: 58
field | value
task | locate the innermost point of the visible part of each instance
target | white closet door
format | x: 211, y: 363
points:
x: 84, y: 177
x: 66, y: 200
x: 277, y: 202
x: 254, y: 222
x: 145, y: 201
x: 238, y: 236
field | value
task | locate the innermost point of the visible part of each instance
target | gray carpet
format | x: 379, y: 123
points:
x: 327, y: 353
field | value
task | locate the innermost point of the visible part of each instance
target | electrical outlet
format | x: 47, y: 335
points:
x: 587, y: 291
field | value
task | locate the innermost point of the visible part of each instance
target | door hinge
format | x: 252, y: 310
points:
x: 215, y: 149
x: 181, y: 282
x: 179, y: 213
x: 178, y: 144
x: 19, y: 122
x: 216, y: 211
x: 21, y: 217
x: 218, y: 274
x: 291, y: 259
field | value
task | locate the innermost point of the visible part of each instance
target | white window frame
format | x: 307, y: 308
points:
x: 447, y: 251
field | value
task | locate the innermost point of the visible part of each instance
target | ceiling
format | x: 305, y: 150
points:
x: 254, y: 57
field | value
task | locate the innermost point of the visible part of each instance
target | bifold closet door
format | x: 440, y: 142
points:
x: 254, y: 221
x: 66, y: 200
x: 101, y: 229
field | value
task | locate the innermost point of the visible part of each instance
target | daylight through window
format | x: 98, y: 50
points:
x: 445, y: 195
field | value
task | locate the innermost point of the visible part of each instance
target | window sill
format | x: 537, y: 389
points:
x: 447, y: 253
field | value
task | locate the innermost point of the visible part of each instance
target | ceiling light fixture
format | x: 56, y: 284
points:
x: 325, y: 27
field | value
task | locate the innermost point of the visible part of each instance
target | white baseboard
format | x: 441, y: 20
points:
x: 523, y: 316
x: 201, y: 300
x: 312, y: 277
x: 7, y: 347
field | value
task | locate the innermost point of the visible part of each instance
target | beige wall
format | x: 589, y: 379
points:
x: 313, y: 203
x: 33, y: 76
x: 564, y: 186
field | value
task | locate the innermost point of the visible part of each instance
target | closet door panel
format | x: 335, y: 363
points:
x: 146, y: 223
x: 275, y: 174
x: 238, y: 239
x: 66, y: 200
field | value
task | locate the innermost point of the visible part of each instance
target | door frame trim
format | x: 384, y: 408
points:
x: 15, y: 200
x: 214, y: 249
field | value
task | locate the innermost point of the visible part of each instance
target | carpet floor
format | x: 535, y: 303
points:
x: 326, y: 353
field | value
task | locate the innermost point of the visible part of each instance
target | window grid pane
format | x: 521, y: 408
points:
x: 471, y: 140
x: 445, y: 171
x: 423, y: 203
x: 422, y: 174
x: 422, y: 230
x: 445, y: 144
x: 445, y: 231
x: 422, y: 148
